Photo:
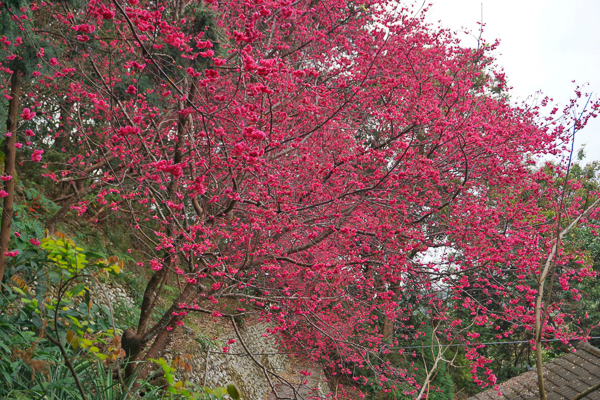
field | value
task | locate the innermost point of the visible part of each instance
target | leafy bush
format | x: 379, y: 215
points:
x: 73, y: 344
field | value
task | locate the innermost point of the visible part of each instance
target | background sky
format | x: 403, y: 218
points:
x: 544, y: 45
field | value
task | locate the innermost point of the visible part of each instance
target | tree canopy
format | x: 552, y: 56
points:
x: 343, y: 170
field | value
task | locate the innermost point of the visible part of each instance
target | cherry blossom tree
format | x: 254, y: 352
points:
x: 300, y: 159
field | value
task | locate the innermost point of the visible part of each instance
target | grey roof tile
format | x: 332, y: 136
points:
x: 565, y: 377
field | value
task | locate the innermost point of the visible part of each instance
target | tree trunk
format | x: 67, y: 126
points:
x: 539, y: 326
x: 10, y: 152
x: 134, y: 341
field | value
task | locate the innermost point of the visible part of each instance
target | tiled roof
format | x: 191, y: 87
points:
x: 565, y: 378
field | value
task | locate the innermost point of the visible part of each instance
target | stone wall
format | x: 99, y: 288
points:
x: 239, y: 368
x: 235, y: 366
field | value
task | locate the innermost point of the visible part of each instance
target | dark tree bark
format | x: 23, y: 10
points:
x: 10, y: 152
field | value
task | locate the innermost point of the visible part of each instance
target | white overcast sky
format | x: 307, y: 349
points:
x: 544, y: 45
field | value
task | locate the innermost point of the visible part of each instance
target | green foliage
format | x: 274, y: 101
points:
x: 220, y: 392
x: 460, y: 373
x: 187, y: 389
x: 27, y: 52
x: 50, y: 309
x: 442, y: 387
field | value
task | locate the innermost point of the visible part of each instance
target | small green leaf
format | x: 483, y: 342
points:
x: 78, y: 290
x: 219, y: 392
x: 233, y: 391
x: 92, y: 254
x: 16, y: 289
